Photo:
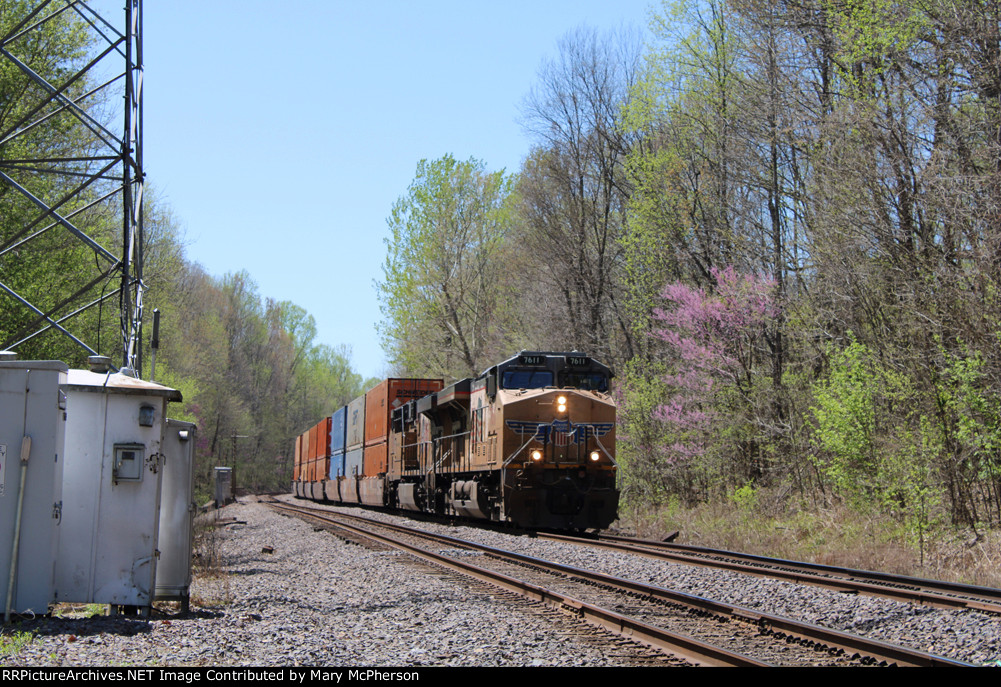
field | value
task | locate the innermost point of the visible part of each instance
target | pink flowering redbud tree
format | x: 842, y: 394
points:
x: 716, y: 352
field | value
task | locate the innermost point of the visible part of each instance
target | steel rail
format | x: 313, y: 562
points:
x: 679, y: 645
x: 935, y: 593
x: 849, y: 643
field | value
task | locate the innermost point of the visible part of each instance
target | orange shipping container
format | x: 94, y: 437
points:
x: 311, y: 444
x: 323, y: 438
x: 376, y: 458
x: 322, y: 468
x: 383, y: 399
x: 303, y: 460
x: 295, y: 459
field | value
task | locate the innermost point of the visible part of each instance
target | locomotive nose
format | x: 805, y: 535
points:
x: 564, y: 498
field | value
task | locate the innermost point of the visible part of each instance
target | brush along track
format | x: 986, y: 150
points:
x: 646, y: 613
x: 934, y: 593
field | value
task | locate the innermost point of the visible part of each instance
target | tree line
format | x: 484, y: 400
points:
x: 776, y: 220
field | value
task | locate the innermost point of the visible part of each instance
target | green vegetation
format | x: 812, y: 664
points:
x: 777, y: 222
x: 441, y: 293
x: 11, y: 645
x: 780, y: 525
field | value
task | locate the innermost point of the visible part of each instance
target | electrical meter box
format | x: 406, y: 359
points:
x: 111, y: 485
x: 32, y: 435
x: 129, y: 459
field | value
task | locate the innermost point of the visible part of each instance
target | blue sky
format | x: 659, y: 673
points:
x: 280, y: 133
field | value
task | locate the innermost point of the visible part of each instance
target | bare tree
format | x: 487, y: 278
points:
x: 573, y: 190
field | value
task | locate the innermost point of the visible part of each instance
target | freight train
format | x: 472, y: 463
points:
x: 530, y: 441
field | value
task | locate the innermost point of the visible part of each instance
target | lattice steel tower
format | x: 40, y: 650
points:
x: 72, y: 185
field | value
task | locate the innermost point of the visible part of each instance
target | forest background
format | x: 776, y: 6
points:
x: 776, y: 220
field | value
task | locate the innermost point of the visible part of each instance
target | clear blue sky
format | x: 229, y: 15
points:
x: 280, y: 133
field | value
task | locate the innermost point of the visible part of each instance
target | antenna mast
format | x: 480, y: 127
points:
x: 70, y: 186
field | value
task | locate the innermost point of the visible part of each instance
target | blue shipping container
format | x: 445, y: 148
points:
x: 338, y: 430
x: 336, y: 465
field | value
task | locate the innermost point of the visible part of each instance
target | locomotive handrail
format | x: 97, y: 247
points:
x: 434, y: 468
x: 577, y: 425
x: 527, y: 442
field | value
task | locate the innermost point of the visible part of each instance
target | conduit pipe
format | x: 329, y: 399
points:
x: 25, y: 452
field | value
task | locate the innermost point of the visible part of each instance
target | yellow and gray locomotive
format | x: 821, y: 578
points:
x: 530, y: 441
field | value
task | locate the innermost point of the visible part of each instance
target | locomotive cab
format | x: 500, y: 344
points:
x: 556, y: 423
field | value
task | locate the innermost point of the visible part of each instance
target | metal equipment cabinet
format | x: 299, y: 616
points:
x: 32, y: 423
x: 177, y: 513
x: 111, y: 489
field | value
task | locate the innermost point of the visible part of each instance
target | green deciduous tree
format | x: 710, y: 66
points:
x: 441, y: 292
x: 248, y: 367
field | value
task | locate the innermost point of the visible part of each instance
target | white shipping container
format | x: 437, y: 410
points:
x: 356, y: 424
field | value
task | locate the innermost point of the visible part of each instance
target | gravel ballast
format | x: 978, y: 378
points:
x: 315, y: 599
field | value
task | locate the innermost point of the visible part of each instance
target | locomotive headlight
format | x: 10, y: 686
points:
x: 595, y: 456
x: 536, y: 454
x: 561, y: 404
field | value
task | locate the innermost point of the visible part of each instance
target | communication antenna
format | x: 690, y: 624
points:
x: 57, y: 187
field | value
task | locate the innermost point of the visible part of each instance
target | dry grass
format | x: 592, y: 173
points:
x: 75, y: 611
x: 210, y: 582
x: 833, y: 536
x: 207, y: 557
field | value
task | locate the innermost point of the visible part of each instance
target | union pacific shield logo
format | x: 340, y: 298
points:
x: 560, y: 432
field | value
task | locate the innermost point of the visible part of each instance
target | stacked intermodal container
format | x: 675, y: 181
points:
x: 335, y: 469
x: 311, y: 464
x: 380, y: 403
x: 322, y: 456
x: 344, y: 457
x: 354, y: 449
x: 338, y: 438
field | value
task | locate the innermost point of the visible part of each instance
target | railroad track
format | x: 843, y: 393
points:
x: 684, y: 625
x: 935, y: 593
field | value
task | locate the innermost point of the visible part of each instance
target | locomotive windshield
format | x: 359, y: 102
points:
x: 585, y: 381
x: 526, y: 379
